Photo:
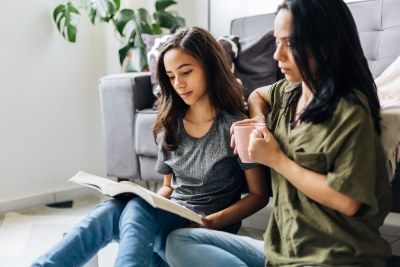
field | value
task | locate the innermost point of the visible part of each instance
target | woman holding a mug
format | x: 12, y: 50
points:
x: 331, y: 190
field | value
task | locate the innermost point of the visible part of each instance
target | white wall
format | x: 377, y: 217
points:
x: 49, y: 104
x: 223, y: 12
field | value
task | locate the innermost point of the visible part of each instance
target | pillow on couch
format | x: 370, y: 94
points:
x: 255, y: 62
x: 154, y: 44
x: 231, y: 45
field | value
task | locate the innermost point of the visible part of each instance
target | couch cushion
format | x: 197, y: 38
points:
x: 154, y: 44
x: 255, y: 62
x: 379, y: 32
x: 144, y: 141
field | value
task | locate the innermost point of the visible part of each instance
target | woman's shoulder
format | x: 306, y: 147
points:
x: 281, y: 87
x: 356, y: 109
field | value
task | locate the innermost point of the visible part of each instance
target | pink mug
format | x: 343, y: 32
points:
x: 242, y: 133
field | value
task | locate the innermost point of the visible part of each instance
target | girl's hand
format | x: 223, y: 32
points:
x: 264, y: 149
x: 258, y: 119
x: 207, y: 223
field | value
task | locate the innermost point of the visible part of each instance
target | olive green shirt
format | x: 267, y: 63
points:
x: 347, y: 149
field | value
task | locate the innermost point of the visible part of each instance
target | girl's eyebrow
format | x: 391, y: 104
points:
x: 181, y: 66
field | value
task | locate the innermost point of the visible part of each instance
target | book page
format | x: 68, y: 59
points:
x: 112, y: 189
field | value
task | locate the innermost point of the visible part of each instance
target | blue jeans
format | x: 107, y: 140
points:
x: 140, y: 229
x: 202, y: 247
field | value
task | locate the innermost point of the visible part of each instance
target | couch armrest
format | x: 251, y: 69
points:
x: 120, y: 96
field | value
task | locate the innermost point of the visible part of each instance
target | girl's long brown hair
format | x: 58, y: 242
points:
x: 224, y: 91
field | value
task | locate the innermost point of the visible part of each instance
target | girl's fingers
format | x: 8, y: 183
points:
x: 192, y: 225
x: 233, y: 141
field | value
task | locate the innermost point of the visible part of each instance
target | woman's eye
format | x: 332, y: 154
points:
x: 171, y: 77
x: 187, y: 72
x: 289, y: 46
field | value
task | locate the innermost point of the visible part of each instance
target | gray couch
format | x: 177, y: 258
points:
x: 127, y: 99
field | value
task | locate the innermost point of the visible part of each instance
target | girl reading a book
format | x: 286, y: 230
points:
x: 329, y: 178
x: 200, y: 99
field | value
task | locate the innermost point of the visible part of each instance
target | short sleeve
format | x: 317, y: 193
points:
x: 354, y: 169
x: 246, y: 166
x: 161, y: 166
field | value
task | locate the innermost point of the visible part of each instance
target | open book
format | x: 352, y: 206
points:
x: 126, y: 190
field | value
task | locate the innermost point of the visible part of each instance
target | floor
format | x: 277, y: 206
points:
x: 26, y: 234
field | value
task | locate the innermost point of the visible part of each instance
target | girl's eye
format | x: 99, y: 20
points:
x: 289, y: 46
x: 187, y: 72
x: 171, y: 77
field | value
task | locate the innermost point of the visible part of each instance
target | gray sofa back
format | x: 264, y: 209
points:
x: 378, y: 23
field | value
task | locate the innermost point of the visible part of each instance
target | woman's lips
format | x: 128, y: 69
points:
x: 284, y: 70
x: 185, y: 95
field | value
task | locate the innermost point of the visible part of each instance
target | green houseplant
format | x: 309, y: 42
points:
x: 129, y: 24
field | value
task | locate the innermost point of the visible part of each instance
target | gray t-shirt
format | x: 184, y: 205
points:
x: 207, y: 176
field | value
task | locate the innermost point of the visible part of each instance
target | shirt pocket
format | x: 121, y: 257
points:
x: 316, y: 162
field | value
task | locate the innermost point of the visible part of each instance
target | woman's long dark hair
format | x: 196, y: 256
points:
x: 326, y: 30
x: 224, y: 91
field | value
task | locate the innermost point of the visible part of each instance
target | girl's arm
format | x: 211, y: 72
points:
x: 166, y: 189
x: 266, y: 151
x: 257, y: 198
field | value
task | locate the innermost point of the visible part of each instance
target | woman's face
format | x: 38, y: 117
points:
x: 187, y: 76
x: 283, y: 53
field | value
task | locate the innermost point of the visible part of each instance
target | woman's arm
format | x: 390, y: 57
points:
x: 259, y: 105
x: 166, y: 189
x: 266, y: 151
x: 257, y: 198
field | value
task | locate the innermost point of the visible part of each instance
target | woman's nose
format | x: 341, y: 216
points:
x: 279, y: 53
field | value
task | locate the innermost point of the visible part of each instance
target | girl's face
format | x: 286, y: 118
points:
x: 187, y: 76
x: 283, y: 53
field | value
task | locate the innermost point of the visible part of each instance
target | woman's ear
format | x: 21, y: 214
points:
x: 324, y: 53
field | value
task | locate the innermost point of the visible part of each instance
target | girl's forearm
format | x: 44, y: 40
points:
x: 314, y: 186
x: 165, y: 191
x: 242, y: 209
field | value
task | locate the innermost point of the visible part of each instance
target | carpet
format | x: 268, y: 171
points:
x: 28, y: 233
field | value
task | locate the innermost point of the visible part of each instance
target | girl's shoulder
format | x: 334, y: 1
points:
x: 229, y: 117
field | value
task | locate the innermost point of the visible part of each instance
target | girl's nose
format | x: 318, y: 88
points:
x: 179, y: 83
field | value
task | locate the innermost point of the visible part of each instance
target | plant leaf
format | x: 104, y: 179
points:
x: 143, y: 21
x: 66, y: 19
x: 164, y: 19
x: 122, y: 18
x: 161, y: 5
x: 104, y: 9
x: 124, y: 51
x: 157, y: 28
x: 137, y: 59
x: 117, y: 4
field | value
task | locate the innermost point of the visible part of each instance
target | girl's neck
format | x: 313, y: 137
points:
x: 200, y: 114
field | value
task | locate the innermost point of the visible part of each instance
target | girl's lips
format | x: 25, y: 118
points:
x: 185, y: 95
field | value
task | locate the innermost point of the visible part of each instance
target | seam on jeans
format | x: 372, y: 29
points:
x: 152, y: 223
x: 97, y: 246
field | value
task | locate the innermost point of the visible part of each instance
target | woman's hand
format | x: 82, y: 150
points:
x: 264, y: 149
